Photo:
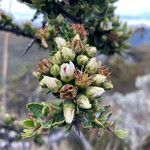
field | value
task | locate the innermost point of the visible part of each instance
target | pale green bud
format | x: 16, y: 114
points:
x: 60, y: 19
x: 67, y: 54
x: 92, y: 28
x: 55, y: 70
x: 92, y: 66
x: 57, y: 58
x: 50, y: 29
x: 52, y: 84
x: 94, y: 92
x: 99, y: 79
x: 107, y: 85
x: 60, y: 42
x: 83, y: 102
x: 69, y: 111
x: 82, y: 60
x: 91, y: 51
x: 120, y: 33
x: 104, y: 38
x: 115, y: 19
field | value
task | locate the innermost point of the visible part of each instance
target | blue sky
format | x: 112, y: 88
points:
x: 132, y: 11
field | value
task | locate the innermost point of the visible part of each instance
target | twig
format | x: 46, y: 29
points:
x: 82, y: 138
x: 16, y: 31
x: 30, y: 45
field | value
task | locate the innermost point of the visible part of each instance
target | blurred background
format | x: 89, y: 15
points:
x: 130, y: 98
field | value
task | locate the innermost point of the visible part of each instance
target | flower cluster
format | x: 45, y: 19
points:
x: 75, y: 77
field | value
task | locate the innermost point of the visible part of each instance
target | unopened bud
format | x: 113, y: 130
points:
x: 94, y: 92
x: 69, y: 111
x: 83, y: 102
x: 82, y: 60
x: 67, y: 54
x: 60, y: 42
x: 52, y: 84
x: 92, y: 66
x: 57, y: 58
x: 108, y: 85
x: 99, y: 79
x: 55, y: 70
x: 91, y: 51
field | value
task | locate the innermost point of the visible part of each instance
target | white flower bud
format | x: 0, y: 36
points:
x: 67, y: 54
x: 60, y: 42
x: 91, y: 51
x: 94, y: 92
x: 69, y: 111
x: 99, y: 79
x: 52, y: 84
x: 83, y: 102
x: 92, y: 66
x: 67, y: 71
x: 82, y: 60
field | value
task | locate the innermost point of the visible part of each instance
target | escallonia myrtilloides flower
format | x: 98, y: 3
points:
x: 78, y: 80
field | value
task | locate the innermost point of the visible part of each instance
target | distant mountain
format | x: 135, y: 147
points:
x: 140, y: 36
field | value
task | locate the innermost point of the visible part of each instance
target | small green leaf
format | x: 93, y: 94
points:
x: 121, y: 134
x: 58, y: 120
x: 36, y: 109
x: 97, y: 123
x: 104, y: 110
x: 124, y: 27
x: 104, y: 118
x: 28, y: 123
x: 45, y: 109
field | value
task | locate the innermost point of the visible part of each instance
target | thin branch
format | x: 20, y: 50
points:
x: 83, y: 140
x: 30, y: 45
x: 16, y: 31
